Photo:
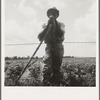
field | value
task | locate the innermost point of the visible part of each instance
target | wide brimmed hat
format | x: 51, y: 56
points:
x: 53, y: 11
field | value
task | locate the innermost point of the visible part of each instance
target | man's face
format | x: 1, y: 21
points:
x: 54, y: 15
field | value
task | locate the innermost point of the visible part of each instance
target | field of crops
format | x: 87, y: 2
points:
x: 74, y: 71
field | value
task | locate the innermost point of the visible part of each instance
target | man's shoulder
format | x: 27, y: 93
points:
x: 44, y: 25
x: 61, y: 25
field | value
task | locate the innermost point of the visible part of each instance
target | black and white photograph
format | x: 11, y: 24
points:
x: 49, y: 50
x: 50, y: 43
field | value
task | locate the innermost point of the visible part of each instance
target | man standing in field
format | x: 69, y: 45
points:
x: 54, y: 48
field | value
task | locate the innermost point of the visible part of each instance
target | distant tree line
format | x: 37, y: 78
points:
x: 68, y: 57
x: 28, y: 57
x: 19, y: 58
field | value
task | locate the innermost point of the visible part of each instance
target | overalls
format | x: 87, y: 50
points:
x: 52, y: 63
x: 51, y: 71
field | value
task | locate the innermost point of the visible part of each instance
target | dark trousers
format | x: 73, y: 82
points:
x: 52, y: 63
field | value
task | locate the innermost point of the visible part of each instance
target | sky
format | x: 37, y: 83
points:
x: 24, y: 20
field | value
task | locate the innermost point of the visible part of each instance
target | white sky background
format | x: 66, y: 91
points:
x: 24, y: 20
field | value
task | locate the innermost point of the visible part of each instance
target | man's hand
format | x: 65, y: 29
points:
x: 51, y: 21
